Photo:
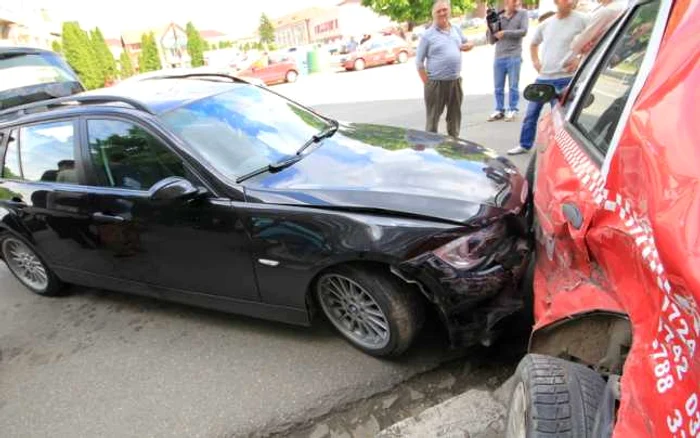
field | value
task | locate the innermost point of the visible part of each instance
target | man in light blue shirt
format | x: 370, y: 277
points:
x: 439, y: 62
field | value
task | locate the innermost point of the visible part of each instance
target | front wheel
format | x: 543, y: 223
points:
x: 553, y: 397
x: 371, y: 308
x: 359, y: 64
x: 26, y: 265
x: 291, y: 76
x: 403, y: 57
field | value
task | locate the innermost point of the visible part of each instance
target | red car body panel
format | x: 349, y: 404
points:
x: 274, y: 73
x: 638, y: 249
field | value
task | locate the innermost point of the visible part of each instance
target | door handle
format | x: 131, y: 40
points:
x: 572, y: 214
x: 107, y: 218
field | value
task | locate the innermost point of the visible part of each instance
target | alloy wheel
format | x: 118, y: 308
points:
x: 291, y: 76
x: 353, y: 311
x: 403, y: 57
x: 359, y: 64
x: 25, y: 264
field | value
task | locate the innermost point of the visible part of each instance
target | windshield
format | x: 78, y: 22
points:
x: 24, y: 70
x: 244, y: 129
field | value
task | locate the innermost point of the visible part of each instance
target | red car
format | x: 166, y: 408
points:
x: 614, y: 350
x: 380, y: 50
x: 277, y: 71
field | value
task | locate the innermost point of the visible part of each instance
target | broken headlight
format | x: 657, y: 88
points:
x: 469, y: 251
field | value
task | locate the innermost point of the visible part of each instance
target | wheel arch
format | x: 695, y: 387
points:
x: 600, y: 339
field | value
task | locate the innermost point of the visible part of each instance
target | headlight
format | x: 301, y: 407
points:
x: 472, y: 249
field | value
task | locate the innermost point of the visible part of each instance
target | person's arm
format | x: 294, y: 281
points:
x: 520, y: 32
x: 535, y: 48
x: 466, y: 45
x: 421, y: 54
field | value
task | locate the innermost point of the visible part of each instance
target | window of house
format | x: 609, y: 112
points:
x: 125, y: 155
x: 11, y: 169
x: 48, y: 152
x: 601, y: 107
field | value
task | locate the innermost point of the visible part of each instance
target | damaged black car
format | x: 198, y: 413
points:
x: 210, y: 191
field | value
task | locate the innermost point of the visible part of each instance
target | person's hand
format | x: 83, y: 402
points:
x: 571, y: 66
x: 499, y: 34
x: 467, y: 46
x: 538, y: 65
x: 588, y: 47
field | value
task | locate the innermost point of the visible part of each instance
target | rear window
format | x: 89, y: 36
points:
x: 28, y: 77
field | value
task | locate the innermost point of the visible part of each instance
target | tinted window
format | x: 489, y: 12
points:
x: 48, y: 152
x: 11, y: 168
x: 243, y: 129
x: 125, y: 155
x: 602, y: 106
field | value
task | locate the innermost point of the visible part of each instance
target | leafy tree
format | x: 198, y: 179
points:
x: 108, y: 66
x: 414, y: 11
x: 79, y: 52
x: 149, y: 60
x: 56, y: 46
x: 195, y: 45
x: 266, y: 31
x: 126, y: 68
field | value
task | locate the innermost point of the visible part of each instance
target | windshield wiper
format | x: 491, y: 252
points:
x: 327, y: 132
x: 272, y: 168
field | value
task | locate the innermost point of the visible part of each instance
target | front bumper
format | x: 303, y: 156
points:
x: 473, y: 303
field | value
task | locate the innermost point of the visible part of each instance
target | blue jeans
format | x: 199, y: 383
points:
x: 510, y: 68
x: 529, y: 129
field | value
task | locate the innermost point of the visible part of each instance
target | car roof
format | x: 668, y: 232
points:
x: 154, y: 96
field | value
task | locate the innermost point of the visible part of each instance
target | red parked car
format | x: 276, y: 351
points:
x: 277, y: 71
x: 379, y: 50
x: 614, y: 351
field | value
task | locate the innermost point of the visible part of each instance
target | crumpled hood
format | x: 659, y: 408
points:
x: 397, y: 170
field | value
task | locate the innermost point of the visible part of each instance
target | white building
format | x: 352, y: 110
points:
x: 27, y: 23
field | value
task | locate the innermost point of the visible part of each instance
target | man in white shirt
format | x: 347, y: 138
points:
x: 555, y: 35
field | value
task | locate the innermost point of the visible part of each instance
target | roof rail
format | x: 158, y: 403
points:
x: 199, y: 75
x: 67, y: 100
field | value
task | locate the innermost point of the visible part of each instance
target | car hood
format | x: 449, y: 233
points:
x: 390, y: 169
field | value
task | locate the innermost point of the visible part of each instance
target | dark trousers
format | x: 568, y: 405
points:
x: 441, y: 94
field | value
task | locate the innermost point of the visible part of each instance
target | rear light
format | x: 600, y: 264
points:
x: 471, y: 250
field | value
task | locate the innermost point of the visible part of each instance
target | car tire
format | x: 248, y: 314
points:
x: 28, y: 267
x: 403, y: 57
x: 291, y: 76
x: 391, y: 302
x: 553, y: 397
x: 359, y: 64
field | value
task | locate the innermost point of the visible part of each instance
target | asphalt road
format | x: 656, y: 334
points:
x: 96, y: 363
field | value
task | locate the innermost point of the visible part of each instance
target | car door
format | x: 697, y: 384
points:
x: 195, y: 245
x: 41, y: 188
x: 573, y: 201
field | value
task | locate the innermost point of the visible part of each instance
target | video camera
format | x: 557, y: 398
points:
x: 493, y: 20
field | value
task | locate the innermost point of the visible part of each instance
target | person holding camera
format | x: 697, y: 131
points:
x: 506, y: 29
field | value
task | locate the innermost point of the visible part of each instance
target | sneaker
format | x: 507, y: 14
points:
x: 498, y: 115
x: 511, y: 116
x: 518, y: 150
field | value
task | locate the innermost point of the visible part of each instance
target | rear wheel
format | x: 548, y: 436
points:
x: 403, y: 57
x: 359, y: 64
x: 291, y: 76
x: 553, y: 398
x: 26, y: 265
x: 371, y: 308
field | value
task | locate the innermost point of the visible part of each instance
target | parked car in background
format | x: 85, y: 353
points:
x: 616, y: 180
x: 275, y: 71
x: 378, y: 50
x: 28, y: 74
x: 225, y: 195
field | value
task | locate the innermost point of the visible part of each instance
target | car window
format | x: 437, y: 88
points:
x: 591, y: 61
x: 125, y: 155
x: 10, y: 169
x: 47, y: 152
x: 601, y: 107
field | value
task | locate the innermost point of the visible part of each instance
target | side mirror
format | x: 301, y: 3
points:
x: 540, y: 93
x: 173, y: 188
